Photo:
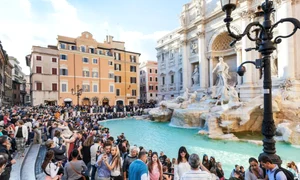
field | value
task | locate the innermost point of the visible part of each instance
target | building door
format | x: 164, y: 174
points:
x: 86, y: 102
x: 105, y: 102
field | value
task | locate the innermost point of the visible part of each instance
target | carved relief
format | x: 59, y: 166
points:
x: 194, y: 47
x: 200, y: 34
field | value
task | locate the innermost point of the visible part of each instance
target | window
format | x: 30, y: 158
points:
x: 74, y: 48
x: 172, y: 79
x: 156, y: 95
x: 163, y: 80
x: 86, y: 88
x: 38, y: 58
x: 132, y: 68
x: 63, y: 57
x: 132, y: 79
x: 117, y: 56
x: 151, y: 87
x: 54, y: 87
x: 82, y: 48
x: 95, y: 61
x: 111, y: 88
x: 110, y: 63
x: 118, y: 79
x: 54, y: 71
x: 117, y: 92
x: 54, y: 60
x: 94, y: 74
x: 132, y: 58
x: 156, y: 71
x: 85, y: 60
x: 100, y: 51
x: 156, y: 88
x: 64, y: 87
x: 133, y: 92
x: 150, y: 70
x: 92, y: 50
x: 150, y: 78
x: 39, y: 69
x: 150, y: 94
x: 64, y: 72
x: 86, y: 73
x: 156, y: 79
x: 39, y: 86
x: 95, y: 88
x: 62, y: 46
x: 118, y: 67
x: 111, y: 75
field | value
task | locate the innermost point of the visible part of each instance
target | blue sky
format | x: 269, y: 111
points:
x: 38, y: 22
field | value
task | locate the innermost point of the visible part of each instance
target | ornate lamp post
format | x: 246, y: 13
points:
x: 265, y: 44
x: 77, y: 92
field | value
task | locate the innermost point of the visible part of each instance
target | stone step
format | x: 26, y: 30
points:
x: 16, y: 168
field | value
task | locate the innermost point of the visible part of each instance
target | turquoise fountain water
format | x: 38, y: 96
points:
x: 162, y: 137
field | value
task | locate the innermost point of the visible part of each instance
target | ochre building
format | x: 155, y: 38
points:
x: 106, y: 72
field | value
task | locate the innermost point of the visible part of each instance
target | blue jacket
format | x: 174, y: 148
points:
x: 136, y: 169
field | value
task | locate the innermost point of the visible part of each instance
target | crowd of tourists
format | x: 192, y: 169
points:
x: 79, y: 147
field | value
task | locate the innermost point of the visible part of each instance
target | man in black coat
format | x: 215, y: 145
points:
x: 4, y: 148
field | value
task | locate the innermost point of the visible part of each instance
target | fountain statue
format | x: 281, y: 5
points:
x: 195, y: 77
x: 222, y: 75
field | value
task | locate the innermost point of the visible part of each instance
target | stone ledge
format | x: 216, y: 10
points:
x: 16, y: 168
x: 28, y: 172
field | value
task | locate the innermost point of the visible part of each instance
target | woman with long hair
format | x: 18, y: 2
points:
x: 219, y: 171
x: 21, y: 136
x: 86, y: 153
x: 254, y: 172
x: 74, y: 167
x: 293, y: 169
x: 115, y: 165
x: 205, y: 162
x: 182, y: 165
x: 155, y: 167
x: 49, y: 168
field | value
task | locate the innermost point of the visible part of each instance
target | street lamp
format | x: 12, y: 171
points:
x: 77, y: 92
x: 265, y: 44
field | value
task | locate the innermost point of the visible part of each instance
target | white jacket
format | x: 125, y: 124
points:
x: 24, y: 131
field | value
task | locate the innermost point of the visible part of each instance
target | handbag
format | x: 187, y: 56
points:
x: 83, y: 177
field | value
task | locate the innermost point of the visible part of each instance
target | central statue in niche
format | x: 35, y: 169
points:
x: 222, y: 71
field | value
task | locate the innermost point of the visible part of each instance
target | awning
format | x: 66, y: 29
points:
x: 67, y: 100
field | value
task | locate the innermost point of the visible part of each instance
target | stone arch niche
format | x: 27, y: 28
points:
x: 220, y: 47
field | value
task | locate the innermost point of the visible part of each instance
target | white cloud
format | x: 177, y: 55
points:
x: 22, y: 27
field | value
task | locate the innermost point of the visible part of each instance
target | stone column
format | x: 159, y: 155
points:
x: 185, y: 63
x: 246, y: 43
x: 286, y: 53
x: 296, y: 14
x: 203, y: 64
x: 238, y: 51
x: 211, y: 78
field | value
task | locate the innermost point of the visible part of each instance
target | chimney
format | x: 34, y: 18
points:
x: 109, y: 39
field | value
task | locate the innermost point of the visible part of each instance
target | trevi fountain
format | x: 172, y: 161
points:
x: 219, y: 113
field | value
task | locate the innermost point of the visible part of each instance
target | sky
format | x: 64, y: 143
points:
x: 139, y: 23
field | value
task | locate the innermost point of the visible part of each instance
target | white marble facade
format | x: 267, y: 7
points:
x: 202, y: 38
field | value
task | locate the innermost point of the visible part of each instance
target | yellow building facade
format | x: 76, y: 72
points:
x: 106, y: 72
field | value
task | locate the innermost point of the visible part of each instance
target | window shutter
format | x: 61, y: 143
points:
x: 119, y: 67
x: 66, y: 72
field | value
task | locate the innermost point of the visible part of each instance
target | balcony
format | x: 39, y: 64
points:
x: 163, y: 88
x: 172, y: 87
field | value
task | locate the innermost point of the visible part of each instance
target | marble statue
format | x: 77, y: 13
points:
x: 273, y: 60
x: 195, y: 76
x: 221, y: 70
x: 193, y: 97
x: 194, y: 47
x: 183, y: 20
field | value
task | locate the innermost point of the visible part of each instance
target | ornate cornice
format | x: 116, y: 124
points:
x: 246, y: 14
x: 184, y: 42
x: 200, y: 34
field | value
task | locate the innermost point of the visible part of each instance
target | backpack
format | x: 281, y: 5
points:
x: 289, y: 175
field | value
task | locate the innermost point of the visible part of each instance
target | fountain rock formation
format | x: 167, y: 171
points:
x: 219, y: 113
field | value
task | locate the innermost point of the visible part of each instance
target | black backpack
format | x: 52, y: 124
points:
x: 289, y: 175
